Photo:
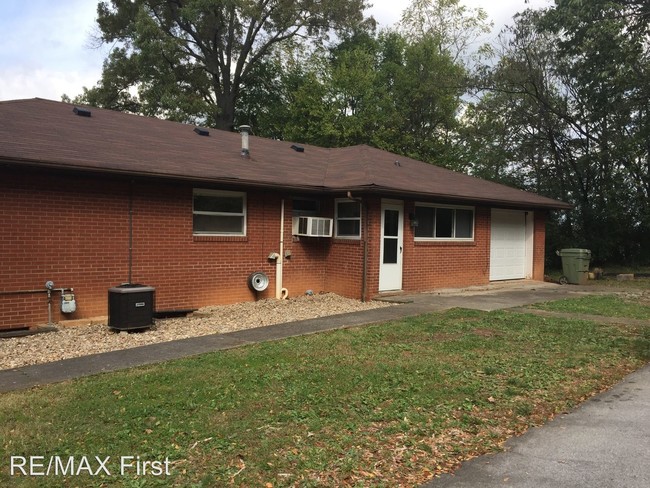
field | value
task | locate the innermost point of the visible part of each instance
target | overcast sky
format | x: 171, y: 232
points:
x: 46, y: 45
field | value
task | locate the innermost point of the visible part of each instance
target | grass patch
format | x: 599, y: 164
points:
x: 375, y: 406
x: 609, y: 306
x: 610, y: 281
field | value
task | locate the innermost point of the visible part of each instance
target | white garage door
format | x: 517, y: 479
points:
x: 508, y: 245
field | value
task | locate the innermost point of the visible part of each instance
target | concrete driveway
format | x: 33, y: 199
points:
x: 604, y: 443
x: 495, y: 296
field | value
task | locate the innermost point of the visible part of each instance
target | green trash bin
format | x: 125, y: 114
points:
x: 575, y: 266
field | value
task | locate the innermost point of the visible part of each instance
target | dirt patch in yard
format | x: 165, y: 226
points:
x: 486, y: 332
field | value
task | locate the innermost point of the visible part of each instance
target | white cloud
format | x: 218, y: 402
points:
x: 25, y: 82
x: 45, y: 50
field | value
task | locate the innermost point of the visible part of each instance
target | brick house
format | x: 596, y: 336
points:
x: 93, y: 198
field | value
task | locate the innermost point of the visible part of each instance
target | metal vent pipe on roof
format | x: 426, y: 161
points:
x: 245, y: 131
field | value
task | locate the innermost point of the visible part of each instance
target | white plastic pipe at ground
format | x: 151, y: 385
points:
x: 278, y: 268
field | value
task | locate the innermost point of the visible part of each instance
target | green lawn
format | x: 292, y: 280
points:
x: 374, y: 406
x: 608, y: 305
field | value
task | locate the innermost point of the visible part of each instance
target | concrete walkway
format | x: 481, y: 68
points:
x: 492, y: 297
x: 605, y: 443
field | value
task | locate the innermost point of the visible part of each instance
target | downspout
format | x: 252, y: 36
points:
x: 49, y: 306
x: 130, y: 271
x: 364, y: 278
x: 278, y: 269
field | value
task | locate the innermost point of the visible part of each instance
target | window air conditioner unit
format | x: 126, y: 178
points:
x: 312, y: 227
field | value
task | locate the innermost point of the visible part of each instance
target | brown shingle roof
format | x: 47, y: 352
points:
x: 46, y: 133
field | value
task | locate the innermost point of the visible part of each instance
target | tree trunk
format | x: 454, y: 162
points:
x: 224, y: 118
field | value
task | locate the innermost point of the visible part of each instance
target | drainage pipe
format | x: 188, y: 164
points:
x: 27, y: 292
x: 22, y: 292
x: 49, y: 307
x: 130, y: 263
x: 364, y: 233
x: 364, y: 278
x: 49, y: 297
x: 278, y: 263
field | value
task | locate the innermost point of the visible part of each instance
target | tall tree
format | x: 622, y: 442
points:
x: 457, y: 28
x: 381, y: 90
x: 190, y: 60
x: 566, y: 113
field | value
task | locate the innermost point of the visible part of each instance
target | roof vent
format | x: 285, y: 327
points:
x: 245, y: 130
x: 82, y: 112
x: 202, y: 132
x: 297, y: 148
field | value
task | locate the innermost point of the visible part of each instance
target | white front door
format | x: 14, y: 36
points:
x: 392, y: 243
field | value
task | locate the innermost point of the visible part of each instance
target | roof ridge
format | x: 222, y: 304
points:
x: 328, y: 165
x: 23, y: 100
x: 367, y: 170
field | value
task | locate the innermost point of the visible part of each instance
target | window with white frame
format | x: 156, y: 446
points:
x: 348, y: 219
x: 306, y: 207
x: 221, y: 213
x: 444, y: 222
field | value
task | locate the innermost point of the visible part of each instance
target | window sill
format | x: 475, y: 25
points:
x: 444, y: 242
x: 355, y: 241
x: 209, y: 238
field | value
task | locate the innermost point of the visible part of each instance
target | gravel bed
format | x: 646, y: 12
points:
x: 70, y: 342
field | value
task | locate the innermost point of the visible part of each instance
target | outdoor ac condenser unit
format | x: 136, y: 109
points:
x: 312, y: 227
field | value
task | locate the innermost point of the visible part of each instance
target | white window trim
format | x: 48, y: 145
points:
x: 336, y: 218
x: 448, y: 239
x: 221, y: 193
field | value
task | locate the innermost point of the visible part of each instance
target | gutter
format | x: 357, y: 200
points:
x: 368, y: 189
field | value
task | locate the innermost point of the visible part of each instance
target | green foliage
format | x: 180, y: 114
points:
x: 385, y: 91
x: 565, y: 113
x: 609, y: 306
x: 190, y: 61
x: 220, y: 63
x: 562, y: 111
x: 455, y: 27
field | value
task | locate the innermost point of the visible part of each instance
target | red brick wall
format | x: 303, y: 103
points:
x: 427, y: 265
x: 74, y: 230
x: 48, y: 222
x: 539, y: 242
x: 430, y: 265
x: 304, y: 270
x: 191, y: 271
x: 374, y: 244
